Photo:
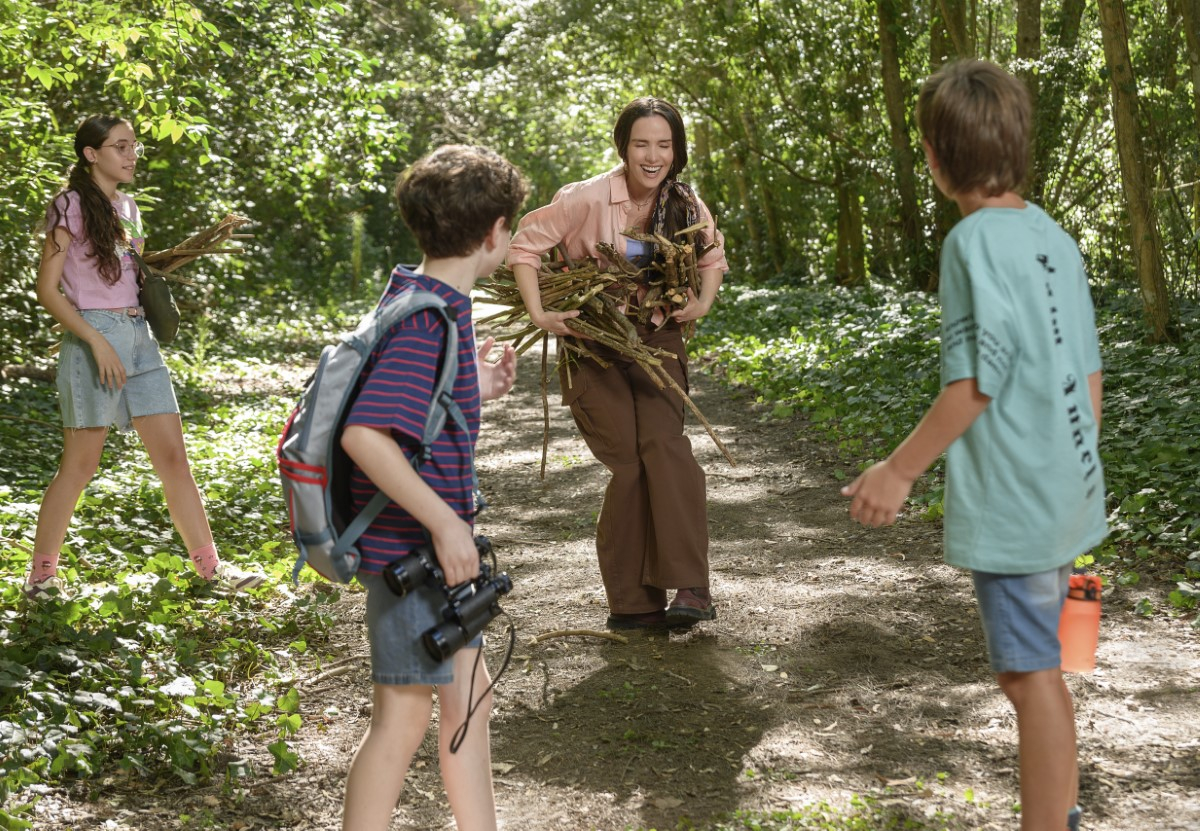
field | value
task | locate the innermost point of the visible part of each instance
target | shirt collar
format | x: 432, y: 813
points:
x: 618, y: 188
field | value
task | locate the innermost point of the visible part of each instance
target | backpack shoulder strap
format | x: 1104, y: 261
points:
x: 442, y: 404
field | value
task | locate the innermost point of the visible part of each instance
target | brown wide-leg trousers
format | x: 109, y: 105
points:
x: 652, y: 534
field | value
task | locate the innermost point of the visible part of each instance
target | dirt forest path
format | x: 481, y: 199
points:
x: 843, y: 661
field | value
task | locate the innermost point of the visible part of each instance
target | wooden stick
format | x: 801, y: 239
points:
x: 566, y: 633
x: 197, y: 251
x: 25, y: 420
x: 329, y: 673
x: 696, y: 411
x: 545, y: 404
x: 603, y: 299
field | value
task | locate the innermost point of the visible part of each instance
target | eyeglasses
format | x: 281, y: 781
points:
x: 125, y: 148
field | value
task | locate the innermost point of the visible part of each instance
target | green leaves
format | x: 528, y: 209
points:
x: 146, y: 666
x: 862, y: 367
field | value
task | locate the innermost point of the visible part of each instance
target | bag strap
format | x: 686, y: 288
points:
x: 143, y: 269
x: 442, y: 406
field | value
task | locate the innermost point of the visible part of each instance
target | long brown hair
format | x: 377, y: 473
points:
x: 675, y: 205
x: 101, y: 225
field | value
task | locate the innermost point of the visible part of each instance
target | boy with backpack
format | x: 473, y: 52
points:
x: 1018, y: 416
x: 460, y: 203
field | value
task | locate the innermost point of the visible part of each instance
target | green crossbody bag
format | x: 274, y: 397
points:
x: 155, y: 298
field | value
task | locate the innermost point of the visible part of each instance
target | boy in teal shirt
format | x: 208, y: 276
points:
x: 1018, y: 415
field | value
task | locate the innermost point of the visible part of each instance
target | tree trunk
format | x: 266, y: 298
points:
x: 954, y: 14
x: 1191, y: 31
x: 943, y: 46
x: 850, y: 266
x: 775, y: 248
x: 749, y: 217
x: 1135, y: 175
x: 1029, y: 55
x: 1048, y: 117
x: 903, y: 159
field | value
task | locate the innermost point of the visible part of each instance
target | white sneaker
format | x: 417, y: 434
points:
x: 232, y: 577
x: 41, y: 590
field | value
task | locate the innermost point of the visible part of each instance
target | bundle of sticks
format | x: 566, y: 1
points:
x: 213, y: 240
x: 609, y: 299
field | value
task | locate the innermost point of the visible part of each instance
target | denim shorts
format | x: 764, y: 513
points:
x: 147, y: 391
x: 1020, y: 617
x: 394, y: 628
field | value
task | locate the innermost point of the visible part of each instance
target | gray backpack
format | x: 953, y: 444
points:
x: 314, y: 469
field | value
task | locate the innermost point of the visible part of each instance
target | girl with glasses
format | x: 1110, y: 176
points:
x: 109, y: 368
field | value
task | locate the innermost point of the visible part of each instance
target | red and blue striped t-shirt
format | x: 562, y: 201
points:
x: 397, y: 387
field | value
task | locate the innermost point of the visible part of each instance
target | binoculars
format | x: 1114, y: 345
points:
x: 469, y: 607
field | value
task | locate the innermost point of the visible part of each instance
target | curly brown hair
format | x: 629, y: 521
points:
x: 451, y: 198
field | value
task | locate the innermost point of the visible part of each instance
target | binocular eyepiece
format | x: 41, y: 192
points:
x: 470, y: 606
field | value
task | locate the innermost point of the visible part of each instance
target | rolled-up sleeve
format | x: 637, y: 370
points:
x: 542, y: 229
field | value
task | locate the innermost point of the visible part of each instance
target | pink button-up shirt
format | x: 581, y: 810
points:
x: 597, y: 210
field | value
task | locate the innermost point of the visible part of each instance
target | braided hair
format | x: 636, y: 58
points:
x: 101, y: 225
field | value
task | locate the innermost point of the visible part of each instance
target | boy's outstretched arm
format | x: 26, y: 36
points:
x: 376, y: 452
x: 496, y: 379
x: 879, y: 492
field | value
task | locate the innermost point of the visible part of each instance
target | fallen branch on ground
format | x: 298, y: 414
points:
x: 592, y: 633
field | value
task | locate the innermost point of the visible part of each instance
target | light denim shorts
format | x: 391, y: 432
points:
x: 394, y: 628
x: 147, y: 391
x: 1020, y: 617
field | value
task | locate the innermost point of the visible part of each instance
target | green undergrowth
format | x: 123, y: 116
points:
x: 141, y: 666
x: 861, y: 367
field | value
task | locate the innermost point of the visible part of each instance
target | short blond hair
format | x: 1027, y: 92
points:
x: 978, y: 121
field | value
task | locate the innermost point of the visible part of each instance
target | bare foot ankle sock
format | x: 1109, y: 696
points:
x: 205, y: 560
x: 43, y: 567
x: 1073, y: 818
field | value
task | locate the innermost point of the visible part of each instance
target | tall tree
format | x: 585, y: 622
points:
x: 1136, y: 174
x: 1191, y: 30
x: 1029, y: 45
x: 891, y: 20
x: 948, y: 41
x: 954, y: 14
x: 1059, y: 78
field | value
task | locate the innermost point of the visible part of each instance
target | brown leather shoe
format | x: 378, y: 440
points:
x: 691, y: 606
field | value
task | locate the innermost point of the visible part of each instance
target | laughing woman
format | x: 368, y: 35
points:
x: 652, y: 534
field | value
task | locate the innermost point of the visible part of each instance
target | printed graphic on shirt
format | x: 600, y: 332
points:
x: 133, y: 229
x: 965, y: 332
x: 1072, y: 390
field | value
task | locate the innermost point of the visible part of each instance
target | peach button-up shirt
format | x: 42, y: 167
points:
x: 584, y: 213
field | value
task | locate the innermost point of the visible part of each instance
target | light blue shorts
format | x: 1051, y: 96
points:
x: 147, y: 391
x: 394, y: 628
x: 1020, y: 617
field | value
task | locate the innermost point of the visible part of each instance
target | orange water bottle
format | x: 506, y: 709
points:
x: 1079, y: 624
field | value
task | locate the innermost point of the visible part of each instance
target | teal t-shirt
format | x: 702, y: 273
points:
x: 1024, y: 484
